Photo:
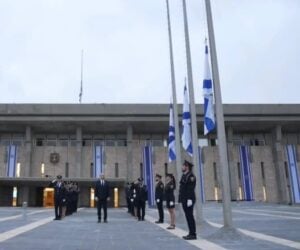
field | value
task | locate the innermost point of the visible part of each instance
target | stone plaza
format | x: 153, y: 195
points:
x: 259, y: 226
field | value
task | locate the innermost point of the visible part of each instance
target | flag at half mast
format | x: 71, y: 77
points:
x: 209, y: 114
x: 186, y: 124
x: 171, y: 140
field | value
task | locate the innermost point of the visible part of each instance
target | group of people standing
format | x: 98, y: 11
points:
x: 65, y: 197
x: 137, y: 195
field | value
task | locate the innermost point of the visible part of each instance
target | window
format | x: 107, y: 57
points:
x: 116, y: 169
x: 215, y: 172
x: 213, y: 142
x: 63, y: 142
x: 157, y: 143
x: 86, y: 142
x: 262, y: 170
x: 286, y: 170
x: 39, y: 142
x: 141, y: 170
x: 203, y: 142
x: 166, y: 168
x: 67, y: 170
x: 110, y: 143
x: 51, y: 142
x: 239, y: 171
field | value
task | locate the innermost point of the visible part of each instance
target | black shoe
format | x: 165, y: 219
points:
x: 159, y: 222
x: 190, y: 237
x: 56, y: 218
x: 105, y: 221
x: 99, y: 221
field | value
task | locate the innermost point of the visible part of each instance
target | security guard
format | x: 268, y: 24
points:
x: 187, y: 197
x: 159, y: 197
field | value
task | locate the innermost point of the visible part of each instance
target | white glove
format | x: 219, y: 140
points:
x: 96, y: 198
x: 158, y: 200
x: 131, y: 200
x: 134, y: 195
x: 171, y: 203
x: 64, y: 200
x: 189, y: 203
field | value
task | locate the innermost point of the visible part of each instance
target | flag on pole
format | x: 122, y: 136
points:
x: 209, y: 114
x: 186, y: 124
x: 171, y: 141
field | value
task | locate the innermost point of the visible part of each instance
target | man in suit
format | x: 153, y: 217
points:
x: 159, y: 198
x: 59, y: 196
x: 102, y: 196
x: 187, y: 198
x: 142, y: 196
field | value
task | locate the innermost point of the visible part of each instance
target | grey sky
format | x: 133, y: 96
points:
x: 126, y: 57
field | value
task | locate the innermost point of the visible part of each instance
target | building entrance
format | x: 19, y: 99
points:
x: 48, y: 197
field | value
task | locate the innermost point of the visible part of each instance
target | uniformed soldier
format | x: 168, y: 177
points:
x: 187, y: 197
x: 142, y: 196
x: 159, y: 198
x: 127, y: 195
x: 59, y: 196
x: 170, y: 198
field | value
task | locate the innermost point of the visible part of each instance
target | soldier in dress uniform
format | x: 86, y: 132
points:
x: 142, y: 196
x: 159, y: 198
x: 170, y: 198
x: 59, y: 196
x: 187, y: 197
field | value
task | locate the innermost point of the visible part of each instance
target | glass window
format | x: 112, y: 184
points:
x: 39, y: 142
x: 63, y: 142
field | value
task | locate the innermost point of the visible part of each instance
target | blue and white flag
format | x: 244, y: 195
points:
x: 11, y: 161
x: 98, y: 161
x: 171, y: 141
x: 294, y: 175
x: 209, y: 114
x: 148, y: 173
x: 186, y: 124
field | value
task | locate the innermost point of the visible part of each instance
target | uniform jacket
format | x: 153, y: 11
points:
x: 187, y: 187
x: 60, y: 191
x: 169, y: 191
x: 102, y: 191
x: 142, y: 193
x: 159, y: 191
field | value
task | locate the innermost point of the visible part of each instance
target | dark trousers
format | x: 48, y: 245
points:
x: 160, y: 211
x: 128, y: 204
x: 141, y: 208
x: 102, y: 204
x: 57, y: 208
x: 189, y: 215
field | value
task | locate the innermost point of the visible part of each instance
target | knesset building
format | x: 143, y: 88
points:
x: 40, y: 141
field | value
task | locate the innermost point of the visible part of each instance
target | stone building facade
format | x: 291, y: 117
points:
x: 73, y: 130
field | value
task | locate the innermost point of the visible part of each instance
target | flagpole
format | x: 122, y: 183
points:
x: 227, y: 213
x: 195, y: 143
x: 81, y: 77
x: 175, y: 107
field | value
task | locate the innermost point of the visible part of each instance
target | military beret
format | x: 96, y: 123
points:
x: 140, y: 179
x: 59, y: 177
x: 158, y: 175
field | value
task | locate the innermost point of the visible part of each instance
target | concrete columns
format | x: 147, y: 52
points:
x: 78, y: 170
x: 129, y: 138
x: 28, y: 148
x: 278, y: 152
x: 232, y: 167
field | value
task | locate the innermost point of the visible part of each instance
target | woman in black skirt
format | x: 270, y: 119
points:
x: 170, y: 198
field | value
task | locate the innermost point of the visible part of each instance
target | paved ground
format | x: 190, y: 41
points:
x: 260, y: 227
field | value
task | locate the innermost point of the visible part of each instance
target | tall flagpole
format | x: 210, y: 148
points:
x: 81, y: 77
x: 177, y: 136
x: 193, y: 115
x: 227, y: 213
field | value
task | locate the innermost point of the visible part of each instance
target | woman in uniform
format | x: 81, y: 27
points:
x: 170, y: 198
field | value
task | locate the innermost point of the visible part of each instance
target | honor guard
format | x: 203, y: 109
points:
x: 102, y: 196
x: 170, y: 198
x: 187, y: 198
x: 159, y: 197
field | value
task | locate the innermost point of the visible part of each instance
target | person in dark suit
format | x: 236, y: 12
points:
x: 170, y: 198
x: 59, y: 196
x: 159, y: 198
x: 142, y: 196
x: 127, y: 195
x: 187, y: 197
x: 102, y: 196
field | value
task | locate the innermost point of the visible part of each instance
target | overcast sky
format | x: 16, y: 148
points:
x: 126, y: 56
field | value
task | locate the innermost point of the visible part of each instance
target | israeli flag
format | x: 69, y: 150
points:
x: 171, y: 141
x: 186, y: 124
x: 209, y: 114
